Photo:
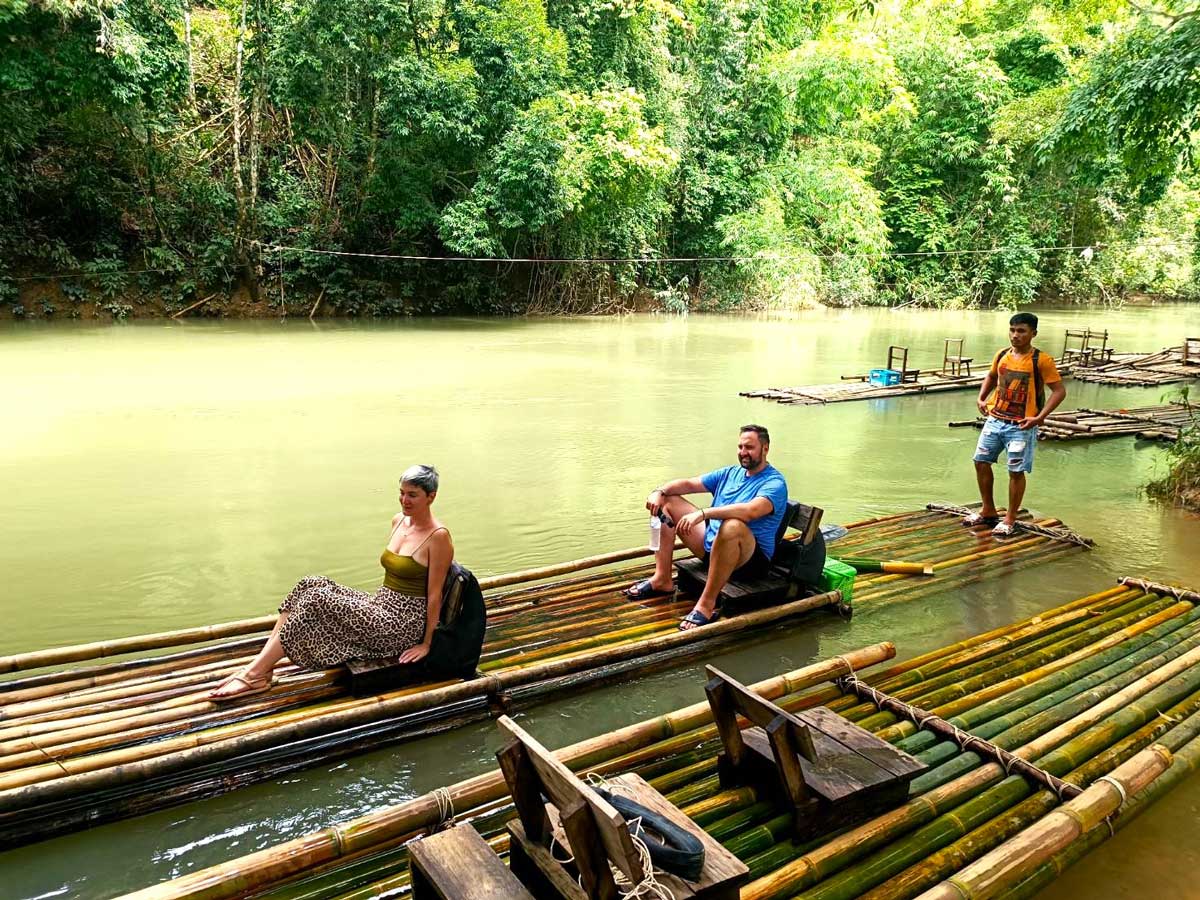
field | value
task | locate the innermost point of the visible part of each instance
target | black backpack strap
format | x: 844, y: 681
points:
x: 1039, y: 389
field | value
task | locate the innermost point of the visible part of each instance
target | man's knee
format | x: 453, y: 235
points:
x: 732, y: 529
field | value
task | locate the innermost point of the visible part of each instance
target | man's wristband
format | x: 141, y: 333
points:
x: 704, y: 514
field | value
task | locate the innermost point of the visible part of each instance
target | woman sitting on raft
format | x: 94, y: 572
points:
x: 323, y: 623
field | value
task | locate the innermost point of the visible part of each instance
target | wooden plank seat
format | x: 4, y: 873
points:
x: 453, y: 652
x: 592, y: 833
x: 782, y: 581
x: 458, y: 864
x: 829, y: 771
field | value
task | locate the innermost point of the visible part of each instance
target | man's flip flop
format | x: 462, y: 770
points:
x: 1002, y: 530
x: 696, y: 619
x: 643, y: 590
x: 975, y: 519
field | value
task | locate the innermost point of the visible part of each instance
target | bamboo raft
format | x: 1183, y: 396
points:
x: 857, y: 387
x: 1170, y: 365
x: 1160, y: 423
x: 1099, y: 696
x: 100, y: 739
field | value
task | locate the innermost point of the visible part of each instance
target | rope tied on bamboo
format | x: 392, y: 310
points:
x: 926, y: 720
x: 445, y: 804
x: 1108, y: 779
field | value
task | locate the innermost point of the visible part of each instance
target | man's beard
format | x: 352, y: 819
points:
x: 748, y: 462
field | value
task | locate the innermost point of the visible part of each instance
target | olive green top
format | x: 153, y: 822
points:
x: 403, y: 574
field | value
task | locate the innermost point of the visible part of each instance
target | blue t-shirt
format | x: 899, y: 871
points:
x: 731, y: 485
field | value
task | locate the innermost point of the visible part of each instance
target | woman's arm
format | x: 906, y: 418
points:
x: 441, y: 554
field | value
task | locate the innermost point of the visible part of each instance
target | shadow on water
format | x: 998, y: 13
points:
x: 160, y: 475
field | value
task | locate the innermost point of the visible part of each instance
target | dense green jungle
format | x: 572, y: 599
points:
x: 221, y: 157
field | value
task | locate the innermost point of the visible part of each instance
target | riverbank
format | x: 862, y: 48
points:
x: 74, y: 299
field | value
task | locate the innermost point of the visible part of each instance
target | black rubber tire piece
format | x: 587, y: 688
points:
x: 672, y: 849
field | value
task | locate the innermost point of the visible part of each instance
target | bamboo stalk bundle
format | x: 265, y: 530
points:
x: 1166, y: 421
x: 1078, y: 691
x: 115, y: 738
x: 1007, y: 865
x: 1166, y: 366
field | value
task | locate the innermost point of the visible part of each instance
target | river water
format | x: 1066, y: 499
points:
x: 159, y: 475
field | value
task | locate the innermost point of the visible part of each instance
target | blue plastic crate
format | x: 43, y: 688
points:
x: 884, y: 377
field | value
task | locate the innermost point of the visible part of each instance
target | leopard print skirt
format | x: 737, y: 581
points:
x: 329, y: 623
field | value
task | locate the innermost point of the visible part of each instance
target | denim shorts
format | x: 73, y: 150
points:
x: 1000, y: 435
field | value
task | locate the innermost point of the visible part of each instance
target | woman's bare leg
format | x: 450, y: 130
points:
x: 260, y: 667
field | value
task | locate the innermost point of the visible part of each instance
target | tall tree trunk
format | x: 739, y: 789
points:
x: 249, y: 276
x: 191, y: 69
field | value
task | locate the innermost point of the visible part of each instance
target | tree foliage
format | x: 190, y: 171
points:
x: 728, y: 152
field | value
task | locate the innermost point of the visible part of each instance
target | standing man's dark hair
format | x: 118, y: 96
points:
x: 1024, y: 319
x: 760, y: 430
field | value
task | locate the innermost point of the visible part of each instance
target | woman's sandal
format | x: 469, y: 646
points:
x: 975, y: 519
x: 253, y: 686
x: 1003, y: 530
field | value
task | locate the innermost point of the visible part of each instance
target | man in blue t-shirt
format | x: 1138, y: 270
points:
x: 738, y: 533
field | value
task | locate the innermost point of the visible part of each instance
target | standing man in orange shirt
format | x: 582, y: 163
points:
x: 1019, y: 375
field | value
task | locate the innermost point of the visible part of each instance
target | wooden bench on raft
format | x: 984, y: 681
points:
x: 832, y: 772
x: 777, y: 585
x: 593, y: 835
x: 458, y: 864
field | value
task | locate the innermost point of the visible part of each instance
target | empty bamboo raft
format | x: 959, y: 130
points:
x: 1168, y: 366
x: 858, y: 387
x: 103, y: 740
x: 854, y: 389
x: 1162, y: 423
x: 1079, y: 691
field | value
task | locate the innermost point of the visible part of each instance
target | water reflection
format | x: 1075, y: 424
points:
x: 160, y: 475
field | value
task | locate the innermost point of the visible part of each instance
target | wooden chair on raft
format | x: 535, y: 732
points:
x: 1086, y: 352
x: 593, y: 832
x: 1189, y: 353
x: 830, y: 772
x: 897, y: 361
x: 956, y: 364
x: 781, y: 583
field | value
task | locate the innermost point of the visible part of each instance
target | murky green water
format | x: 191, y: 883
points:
x: 160, y: 475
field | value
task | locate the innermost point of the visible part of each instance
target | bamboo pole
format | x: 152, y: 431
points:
x: 1008, y: 864
x: 897, y: 567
